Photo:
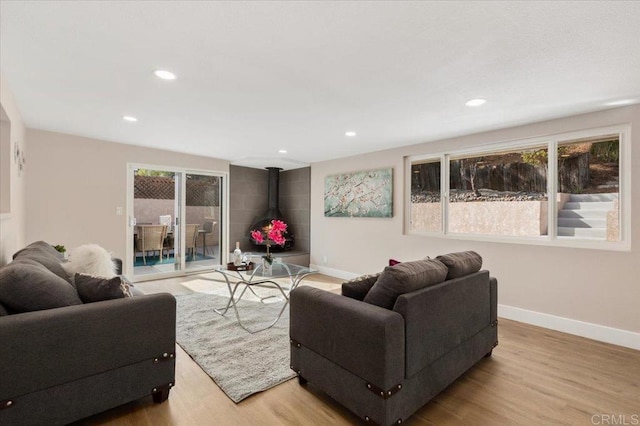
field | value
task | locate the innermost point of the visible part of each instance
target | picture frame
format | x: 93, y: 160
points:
x: 366, y: 193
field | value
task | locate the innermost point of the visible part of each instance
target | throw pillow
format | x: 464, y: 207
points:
x: 90, y: 259
x: 461, y: 263
x: 403, y: 278
x: 26, y: 285
x: 95, y: 289
x: 358, y: 288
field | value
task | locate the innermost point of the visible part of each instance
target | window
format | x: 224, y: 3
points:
x: 569, y: 190
x: 499, y: 193
x: 588, y: 188
x: 426, y: 205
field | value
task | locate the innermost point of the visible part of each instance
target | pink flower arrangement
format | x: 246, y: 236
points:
x: 273, y: 233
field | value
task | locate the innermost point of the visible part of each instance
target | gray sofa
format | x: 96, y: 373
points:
x: 61, y: 364
x: 384, y: 363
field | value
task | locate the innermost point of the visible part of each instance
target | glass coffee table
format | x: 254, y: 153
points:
x: 238, y: 282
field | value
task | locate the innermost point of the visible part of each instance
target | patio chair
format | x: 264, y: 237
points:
x: 190, y: 239
x: 151, y: 238
x: 209, y: 228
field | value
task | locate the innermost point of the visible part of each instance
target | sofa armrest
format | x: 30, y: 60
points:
x: 365, y: 339
x: 440, y: 317
x: 45, y: 348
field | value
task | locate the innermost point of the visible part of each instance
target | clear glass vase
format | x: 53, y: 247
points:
x: 267, y: 267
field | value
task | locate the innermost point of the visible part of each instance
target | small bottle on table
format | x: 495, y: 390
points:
x: 237, y: 255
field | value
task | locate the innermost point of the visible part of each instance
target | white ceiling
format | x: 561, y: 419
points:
x: 256, y: 77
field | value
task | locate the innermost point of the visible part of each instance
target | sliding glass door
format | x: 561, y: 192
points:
x: 174, y: 221
x: 203, y: 221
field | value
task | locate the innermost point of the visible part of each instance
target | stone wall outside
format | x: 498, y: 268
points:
x: 516, y: 218
x: 613, y: 222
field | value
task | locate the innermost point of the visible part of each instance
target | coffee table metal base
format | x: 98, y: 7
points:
x: 235, y: 280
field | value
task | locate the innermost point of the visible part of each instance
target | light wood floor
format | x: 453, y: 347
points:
x: 535, y: 377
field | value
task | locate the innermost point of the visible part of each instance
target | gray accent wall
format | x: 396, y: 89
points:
x: 295, y: 204
x: 248, y: 201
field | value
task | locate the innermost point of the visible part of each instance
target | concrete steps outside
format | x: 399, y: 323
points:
x: 583, y: 233
x: 580, y: 214
x: 582, y: 222
x: 589, y: 205
x: 594, y: 197
x: 585, y: 216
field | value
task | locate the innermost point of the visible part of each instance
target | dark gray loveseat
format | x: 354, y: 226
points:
x: 385, y: 363
x: 62, y: 364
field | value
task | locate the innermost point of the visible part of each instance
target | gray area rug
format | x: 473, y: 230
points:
x: 239, y: 362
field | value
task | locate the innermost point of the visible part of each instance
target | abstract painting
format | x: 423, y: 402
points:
x: 367, y: 193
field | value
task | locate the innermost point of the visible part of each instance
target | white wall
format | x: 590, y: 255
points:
x: 12, y: 225
x: 600, y: 288
x: 76, y: 183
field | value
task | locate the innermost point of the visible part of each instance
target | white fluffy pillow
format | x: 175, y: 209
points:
x: 90, y: 259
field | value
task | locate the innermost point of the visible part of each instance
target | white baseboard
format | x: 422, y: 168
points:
x: 602, y: 333
x: 598, y: 332
x: 334, y: 272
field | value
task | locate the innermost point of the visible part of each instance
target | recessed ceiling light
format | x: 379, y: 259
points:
x: 282, y: 151
x: 129, y: 118
x: 165, y: 75
x: 350, y: 134
x: 621, y: 102
x: 475, y: 102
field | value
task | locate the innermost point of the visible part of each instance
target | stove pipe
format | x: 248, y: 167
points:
x: 273, y: 194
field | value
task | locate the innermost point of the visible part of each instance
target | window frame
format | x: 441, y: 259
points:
x: 408, y: 178
x: 551, y: 142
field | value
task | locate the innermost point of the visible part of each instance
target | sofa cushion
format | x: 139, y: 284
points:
x: 95, y: 289
x: 403, y: 278
x: 42, y: 247
x: 461, y: 263
x: 26, y: 285
x: 46, y: 255
x: 91, y: 259
x: 358, y: 288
